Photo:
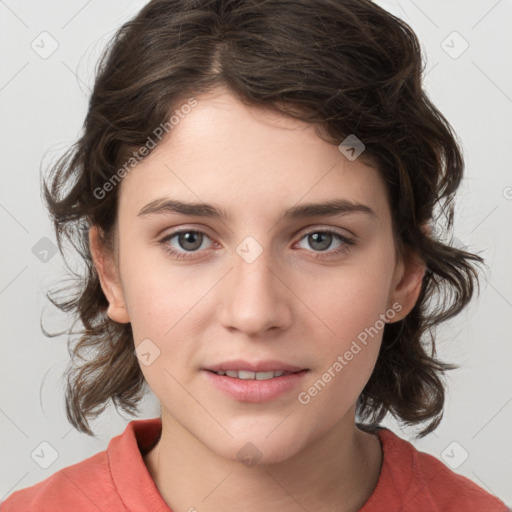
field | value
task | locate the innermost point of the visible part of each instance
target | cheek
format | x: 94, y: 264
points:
x: 351, y: 303
x: 158, y: 295
x: 165, y: 307
x: 351, y: 307
x: 346, y: 355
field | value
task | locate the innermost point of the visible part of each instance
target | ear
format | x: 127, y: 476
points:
x: 407, y: 282
x: 408, y: 277
x: 108, y: 274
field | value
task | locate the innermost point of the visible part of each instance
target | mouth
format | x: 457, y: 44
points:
x: 247, y: 370
x: 248, y: 375
x: 254, y: 382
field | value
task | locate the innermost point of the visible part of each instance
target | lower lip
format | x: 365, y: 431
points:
x: 252, y: 390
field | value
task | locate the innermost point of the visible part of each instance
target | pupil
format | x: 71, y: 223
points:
x: 316, y: 236
x: 190, y: 238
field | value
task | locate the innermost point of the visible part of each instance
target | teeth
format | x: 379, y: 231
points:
x: 242, y: 374
x: 264, y: 375
x: 246, y: 375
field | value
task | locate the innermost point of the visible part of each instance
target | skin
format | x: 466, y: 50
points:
x: 285, y: 305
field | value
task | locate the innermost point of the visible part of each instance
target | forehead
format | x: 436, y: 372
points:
x: 247, y: 159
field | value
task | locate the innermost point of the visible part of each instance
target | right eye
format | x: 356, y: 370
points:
x: 188, y: 242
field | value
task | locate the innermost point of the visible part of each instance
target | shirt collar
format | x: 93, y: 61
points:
x: 131, y: 477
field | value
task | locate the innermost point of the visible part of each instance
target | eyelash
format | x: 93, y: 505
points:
x: 347, y: 243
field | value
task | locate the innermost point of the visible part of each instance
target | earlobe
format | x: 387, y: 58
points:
x: 407, y: 284
x: 109, y: 278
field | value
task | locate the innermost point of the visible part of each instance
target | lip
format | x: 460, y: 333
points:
x: 259, y: 366
x: 254, y: 391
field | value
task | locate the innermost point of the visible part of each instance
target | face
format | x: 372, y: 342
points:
x: 302, y: 293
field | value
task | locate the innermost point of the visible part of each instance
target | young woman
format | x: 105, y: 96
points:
x: 254, y: 194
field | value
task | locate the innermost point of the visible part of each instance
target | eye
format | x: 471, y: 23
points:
x: 322, y: 239
x: 187, y: 240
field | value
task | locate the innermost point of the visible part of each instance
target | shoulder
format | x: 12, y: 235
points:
x: 420, y: 481
x: 105, y: 481
x: 86, y: 485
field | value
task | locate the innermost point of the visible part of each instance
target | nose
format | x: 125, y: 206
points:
x: 255, y: 297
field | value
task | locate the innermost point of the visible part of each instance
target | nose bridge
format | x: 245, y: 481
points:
x: 254, y: 299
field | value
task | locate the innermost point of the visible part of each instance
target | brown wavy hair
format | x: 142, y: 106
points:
x: 347, y: 66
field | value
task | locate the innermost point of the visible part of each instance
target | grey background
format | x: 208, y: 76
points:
x: 43, y: 100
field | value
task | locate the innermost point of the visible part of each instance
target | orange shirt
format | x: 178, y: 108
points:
x: 117, y: 480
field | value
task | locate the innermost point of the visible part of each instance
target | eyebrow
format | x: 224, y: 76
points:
x: 331, y: 208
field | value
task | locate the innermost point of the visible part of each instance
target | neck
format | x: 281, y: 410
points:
x: 337, y: 472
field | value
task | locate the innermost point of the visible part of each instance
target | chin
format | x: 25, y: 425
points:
x: 258, y: 447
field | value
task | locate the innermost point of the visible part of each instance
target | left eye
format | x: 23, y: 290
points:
x: 323, y: 239
x: 190, y: 241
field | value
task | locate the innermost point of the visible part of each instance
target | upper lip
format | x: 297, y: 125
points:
x: 258, y: 366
